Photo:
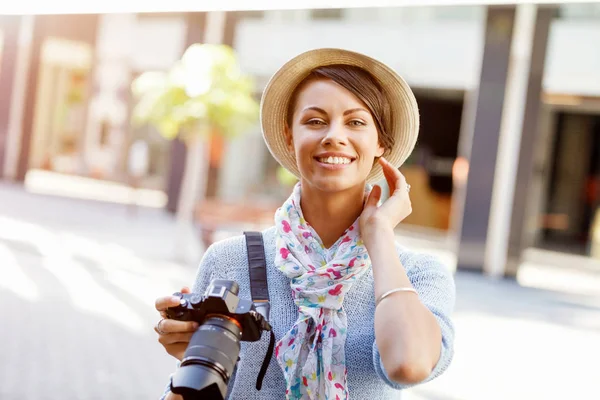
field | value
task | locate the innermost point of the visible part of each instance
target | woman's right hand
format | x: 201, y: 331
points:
x: 175, y: 335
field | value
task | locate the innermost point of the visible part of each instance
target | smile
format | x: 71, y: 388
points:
x: 334, y: 160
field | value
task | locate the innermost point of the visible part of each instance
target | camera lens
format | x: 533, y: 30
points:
x: 209, y: 360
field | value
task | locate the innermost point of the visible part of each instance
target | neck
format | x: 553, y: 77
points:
x: 330, y: 214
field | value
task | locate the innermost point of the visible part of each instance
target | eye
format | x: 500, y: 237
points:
x: 315, y: 121
x: 357, y: 122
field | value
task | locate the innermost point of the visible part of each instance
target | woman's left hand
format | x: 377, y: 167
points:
x: 393, y: 211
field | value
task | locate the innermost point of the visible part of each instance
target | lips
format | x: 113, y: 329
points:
x: 331, y: 159
x: 335, y: 160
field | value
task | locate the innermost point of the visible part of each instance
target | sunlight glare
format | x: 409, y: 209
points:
x: 14, y: 279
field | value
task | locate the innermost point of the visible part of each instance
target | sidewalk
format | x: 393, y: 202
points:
x: 79, y: 278
x: 78, y: 281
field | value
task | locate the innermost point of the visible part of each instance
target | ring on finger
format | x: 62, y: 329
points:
x: 157, y: 327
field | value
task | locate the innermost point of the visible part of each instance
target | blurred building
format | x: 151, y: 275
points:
x: 514, y: 92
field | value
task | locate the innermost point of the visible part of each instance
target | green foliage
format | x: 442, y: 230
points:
x: 203, y: 93
x: 285, y: 177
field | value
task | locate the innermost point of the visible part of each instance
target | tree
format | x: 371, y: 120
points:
x: 203, y: 94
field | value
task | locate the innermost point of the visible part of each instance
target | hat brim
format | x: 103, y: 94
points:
x: 277, y: 94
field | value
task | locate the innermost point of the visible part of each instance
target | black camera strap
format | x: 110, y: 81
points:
x: 259, y: 289
x: 258, y: 268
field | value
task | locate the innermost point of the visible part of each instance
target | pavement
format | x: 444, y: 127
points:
x: 78, y: 279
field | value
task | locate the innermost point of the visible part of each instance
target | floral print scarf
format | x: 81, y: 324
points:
x: 312, y: 354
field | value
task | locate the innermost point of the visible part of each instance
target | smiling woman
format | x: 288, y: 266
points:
x: 338, y: 123
x: 363, y: 87
x: 355, y: 314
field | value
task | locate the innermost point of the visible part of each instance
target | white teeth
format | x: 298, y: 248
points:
x: 335, y: 160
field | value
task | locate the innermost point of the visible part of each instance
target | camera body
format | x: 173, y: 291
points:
x: 224, y: 320
x: 221, y: 299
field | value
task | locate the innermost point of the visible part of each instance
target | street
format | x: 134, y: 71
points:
x: 79, y: 278
x: 77, y: 290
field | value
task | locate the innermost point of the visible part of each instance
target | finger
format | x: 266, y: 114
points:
x: 395, y: 179
x: 162, y: 303
x: 173, y: 396
x: 374, y: 197
x: 185, y: 289
x: 392, y: 176
x: 174, y: 338
x: 400, y: 186
x: 174, y: 326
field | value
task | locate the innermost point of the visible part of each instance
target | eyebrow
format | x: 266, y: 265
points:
x: 320, y: 110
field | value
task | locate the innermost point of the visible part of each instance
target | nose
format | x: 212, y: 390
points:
x: 335, y: 135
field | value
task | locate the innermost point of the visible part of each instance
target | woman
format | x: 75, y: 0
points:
x: 355, y: 314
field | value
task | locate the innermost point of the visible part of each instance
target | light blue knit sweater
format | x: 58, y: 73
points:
x: 366, y: 377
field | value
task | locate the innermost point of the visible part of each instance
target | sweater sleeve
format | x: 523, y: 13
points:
x: 437, y: 291
x: 210, y: 268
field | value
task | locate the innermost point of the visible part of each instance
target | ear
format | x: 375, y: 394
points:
x: 380, y: 151
x: 289, y: 140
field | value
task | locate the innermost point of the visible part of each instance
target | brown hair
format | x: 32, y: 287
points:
x: 361, y: 84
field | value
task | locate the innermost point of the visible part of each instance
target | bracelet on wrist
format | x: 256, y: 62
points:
x: 397, y: 290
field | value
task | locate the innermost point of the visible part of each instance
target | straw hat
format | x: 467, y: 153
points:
x: 276, y: 97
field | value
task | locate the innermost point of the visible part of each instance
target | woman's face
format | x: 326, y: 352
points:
x: 333, y: 136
